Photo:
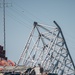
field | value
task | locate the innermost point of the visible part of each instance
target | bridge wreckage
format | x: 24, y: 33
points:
x: 47, y: 47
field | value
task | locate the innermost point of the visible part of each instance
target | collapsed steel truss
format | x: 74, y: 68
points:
x: 46, y: 45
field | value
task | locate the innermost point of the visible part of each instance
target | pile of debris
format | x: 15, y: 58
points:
x: 3, y: 59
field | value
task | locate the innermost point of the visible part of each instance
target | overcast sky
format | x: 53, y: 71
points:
x: 20, y: 15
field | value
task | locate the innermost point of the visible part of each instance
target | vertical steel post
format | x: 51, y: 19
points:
x: 4, y: 24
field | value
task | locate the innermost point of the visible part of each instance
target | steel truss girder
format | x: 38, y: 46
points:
x: 47, y: 46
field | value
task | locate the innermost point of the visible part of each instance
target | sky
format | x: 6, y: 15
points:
x: 21, y: 14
